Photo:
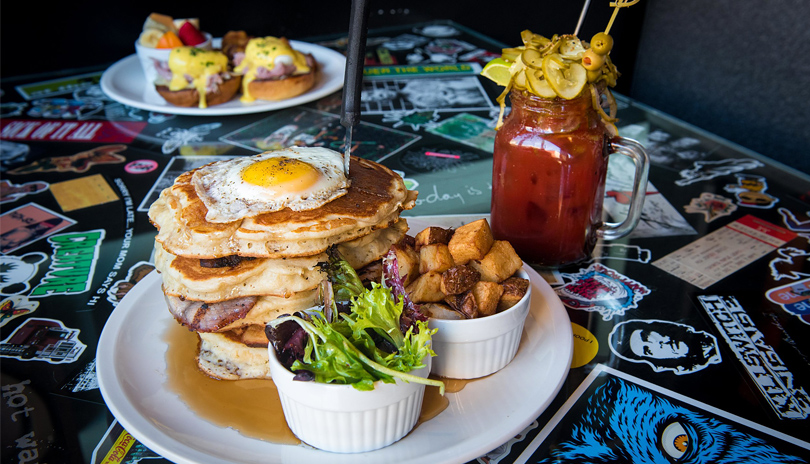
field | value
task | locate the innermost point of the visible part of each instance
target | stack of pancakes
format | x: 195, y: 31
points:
x: 225, y: 281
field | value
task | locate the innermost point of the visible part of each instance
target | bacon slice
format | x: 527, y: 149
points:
x: 209, y: 317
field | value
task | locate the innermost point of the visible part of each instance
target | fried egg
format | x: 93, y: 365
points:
x: 299, y: 178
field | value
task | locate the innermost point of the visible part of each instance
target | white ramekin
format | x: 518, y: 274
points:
x: 148, y: 56
x: 472, y: 348
x: 341, y: 419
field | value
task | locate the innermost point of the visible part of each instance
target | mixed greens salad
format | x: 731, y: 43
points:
x: 360, y: 335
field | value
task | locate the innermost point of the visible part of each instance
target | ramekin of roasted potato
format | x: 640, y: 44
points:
x: 476, y: 291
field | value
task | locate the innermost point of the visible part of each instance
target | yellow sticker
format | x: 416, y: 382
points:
x: 585, y: 346
x: 83, y: 192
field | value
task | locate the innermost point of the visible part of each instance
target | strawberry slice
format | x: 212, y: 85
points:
x: 190, y: 35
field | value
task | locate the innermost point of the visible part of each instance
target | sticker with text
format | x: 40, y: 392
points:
x: 73, y: 263
x: 601, y: 289
x: 765, y: 367
x: 794, y: 298
x: 70, y: 131
x: 665, y: 346
x: 723, y: 252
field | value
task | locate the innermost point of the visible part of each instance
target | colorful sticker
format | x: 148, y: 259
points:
x: 468, y: 129
x: 43, y: 340
x: 601, y: 289
x: 770, y: 374
x: 120, y: 288
x: 723, y: 252
x: 17, y: 271
x: 78, y: 163
x: 141, y: 166
x: 706, y: 170
x: 28, y: 223
x: 14, y: 307
x: 59, y: 86
x: 11, y: 192
x: 117, y: 446
x: 70, y: 131
x: 664, y: 346
x: 72, y: 265
x: 711, y: 205
x: 83, y: 192
x: 586, y: 345
x: 794, y: 298
x: 64, y: 108
x: 781, y: 266
x: 750, y: 191
x: 615, y: 417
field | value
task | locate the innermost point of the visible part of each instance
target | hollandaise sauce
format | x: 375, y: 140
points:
x: 269, y: 57
x: 196, y: 64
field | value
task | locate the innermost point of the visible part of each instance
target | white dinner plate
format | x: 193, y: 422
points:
x: 486, y: 413
x: 125, y: 83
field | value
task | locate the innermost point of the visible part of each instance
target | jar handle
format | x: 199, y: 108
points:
x: 636, y: 152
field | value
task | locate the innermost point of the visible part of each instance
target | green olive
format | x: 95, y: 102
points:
x: 602, y: 43
x: 592, y: 60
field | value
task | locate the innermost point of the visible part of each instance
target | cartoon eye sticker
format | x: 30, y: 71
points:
x: 675, y: 441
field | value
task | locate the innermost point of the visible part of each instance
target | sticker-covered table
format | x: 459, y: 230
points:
x: 691, y: 335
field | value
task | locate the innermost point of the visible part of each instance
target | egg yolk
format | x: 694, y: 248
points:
x: 287, y: 174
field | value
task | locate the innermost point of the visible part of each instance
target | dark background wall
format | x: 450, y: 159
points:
x: 737, y: 68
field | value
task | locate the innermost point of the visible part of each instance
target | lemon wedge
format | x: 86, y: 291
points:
x: 498, y: 71
x: 567, y: 79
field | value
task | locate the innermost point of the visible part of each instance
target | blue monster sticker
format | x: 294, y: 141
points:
x: 624, y: 421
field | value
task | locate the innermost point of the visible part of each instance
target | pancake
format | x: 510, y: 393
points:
x: 374, y: 201
x: 234, y: 355
x: 186, y: 278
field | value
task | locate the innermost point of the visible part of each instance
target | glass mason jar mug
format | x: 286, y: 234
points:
x: 548, y: 179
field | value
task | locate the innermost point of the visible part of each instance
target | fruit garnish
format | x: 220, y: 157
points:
x: 497, y: 71
x: 169, y: 40
x: 190, y: 35
x: 150, y: 37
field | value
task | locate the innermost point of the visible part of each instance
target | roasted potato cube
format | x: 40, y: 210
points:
x: 487, y: 295
x: 464, y: 303
x: 514, y: 288
x: 499, y: 264
x: 459, y: 279
x: 432, y: 235
x: 435, y: 257
x: 407, y: 262
x: 471, y: 241
x: 442, y: 311
x: 426, y: 288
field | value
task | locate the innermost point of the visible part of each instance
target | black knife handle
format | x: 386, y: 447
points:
x: 355, y: 58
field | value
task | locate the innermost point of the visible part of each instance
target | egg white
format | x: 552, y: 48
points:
x: 229, y: 197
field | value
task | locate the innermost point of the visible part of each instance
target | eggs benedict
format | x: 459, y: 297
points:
x: 196, y: 77
x: 273, y: 70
